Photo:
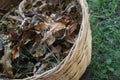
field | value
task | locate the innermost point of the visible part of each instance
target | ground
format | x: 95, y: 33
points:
x: 105, y: 24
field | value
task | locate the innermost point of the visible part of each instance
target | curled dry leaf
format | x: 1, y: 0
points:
x: 22, y: 6
x: 55, y: 28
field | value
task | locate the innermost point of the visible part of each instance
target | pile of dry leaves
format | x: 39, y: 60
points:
x: 36, y: 36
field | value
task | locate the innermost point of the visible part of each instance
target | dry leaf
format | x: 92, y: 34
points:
x: 71, y: 28
x: 70, y: 39
x: 40, y: 50
x: 15, y: 18
x: 57, y: 49
x: 41, y: 26
x: 41, y: 68
x: 60, y: 34
x: 70, y: 35
x: 15, y: 51
x: 27, y: 36
x: 47, y: 56
x: 55, y: 28
x: 50, y: 40
x: 39, y: 53
x: 22, y: 6
x: 64, y: 19
x: 70, y: 6
x: 65, y: 53
x: 35, y: 67
x: 13, y: 35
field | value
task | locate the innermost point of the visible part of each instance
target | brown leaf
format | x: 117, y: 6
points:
x: 15, y: 51
x: 40, y: 26
x: 40, y: 50
x: 64, y: 19
x: 13, y: 35
x: 55, y: 27
x: 39, y: 53
x: 70, y: 39
x: 70, y: 33
x: 27, y: 36
x: 60, y: 34
x: 57, y: 51
x: 71, y: 28
x: 50, y: 40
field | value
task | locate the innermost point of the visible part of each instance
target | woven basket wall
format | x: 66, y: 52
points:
x: 75, y: 64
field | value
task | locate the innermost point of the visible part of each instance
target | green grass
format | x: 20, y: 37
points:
x: 105, y: 24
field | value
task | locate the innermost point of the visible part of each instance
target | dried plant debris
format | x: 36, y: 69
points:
x: 37, y: 35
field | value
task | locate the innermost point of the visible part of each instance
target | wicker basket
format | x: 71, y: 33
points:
x: 75, y: 64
